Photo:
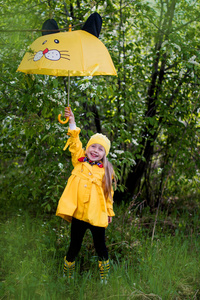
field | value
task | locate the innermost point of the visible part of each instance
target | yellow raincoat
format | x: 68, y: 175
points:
x: 83, y: 197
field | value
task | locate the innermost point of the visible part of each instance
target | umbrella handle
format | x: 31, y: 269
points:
x: 61, y: 121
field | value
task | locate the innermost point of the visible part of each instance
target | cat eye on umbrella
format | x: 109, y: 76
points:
x: 72, y: 53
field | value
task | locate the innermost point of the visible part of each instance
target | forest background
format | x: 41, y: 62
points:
x: 150, y: 112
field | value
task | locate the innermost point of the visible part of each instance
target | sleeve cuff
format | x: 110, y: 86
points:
x: 72, y: 126
x: 74, y: 134
x: 110, y: 212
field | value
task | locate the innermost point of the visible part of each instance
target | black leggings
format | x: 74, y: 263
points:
x: 78, y: 229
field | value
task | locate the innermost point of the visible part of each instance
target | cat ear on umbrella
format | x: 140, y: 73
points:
x: 93, y: 24
x: 50, y: 26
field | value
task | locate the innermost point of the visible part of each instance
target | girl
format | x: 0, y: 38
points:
x: 87, y: 201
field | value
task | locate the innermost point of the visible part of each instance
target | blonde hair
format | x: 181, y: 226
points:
x: 109, y: 178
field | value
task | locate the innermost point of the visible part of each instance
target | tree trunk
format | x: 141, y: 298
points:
x: 96, y: 118
x: 149, y: 132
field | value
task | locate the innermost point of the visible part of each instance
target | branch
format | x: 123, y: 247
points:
x: 177, y: 89
x: 189, y: 22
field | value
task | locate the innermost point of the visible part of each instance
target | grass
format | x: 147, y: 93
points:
x: 32, y: 251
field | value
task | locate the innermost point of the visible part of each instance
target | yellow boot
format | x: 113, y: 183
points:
x: 104, y: 267
x: 69, y: 268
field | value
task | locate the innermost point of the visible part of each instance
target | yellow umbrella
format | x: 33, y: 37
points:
x: 72, y: 53
x: 77, y: 53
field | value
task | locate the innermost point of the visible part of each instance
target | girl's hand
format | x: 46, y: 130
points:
x: 109, y: 220
x: 70, y: 115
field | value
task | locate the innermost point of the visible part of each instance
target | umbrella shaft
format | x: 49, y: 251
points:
x: 68, y: 88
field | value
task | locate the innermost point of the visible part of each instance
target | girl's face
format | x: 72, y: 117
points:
x: 95, y: 152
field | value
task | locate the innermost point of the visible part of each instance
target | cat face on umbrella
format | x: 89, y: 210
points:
x: 52, y: 54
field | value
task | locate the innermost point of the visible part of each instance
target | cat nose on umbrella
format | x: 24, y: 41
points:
x: 45, y: 51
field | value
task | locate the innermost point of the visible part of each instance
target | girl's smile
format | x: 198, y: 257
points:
x: 95, y: 152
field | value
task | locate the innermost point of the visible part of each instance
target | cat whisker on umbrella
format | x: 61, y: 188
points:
x: 65, y: 58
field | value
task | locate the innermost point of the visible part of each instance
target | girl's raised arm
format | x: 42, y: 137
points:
x: 70, y: 115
